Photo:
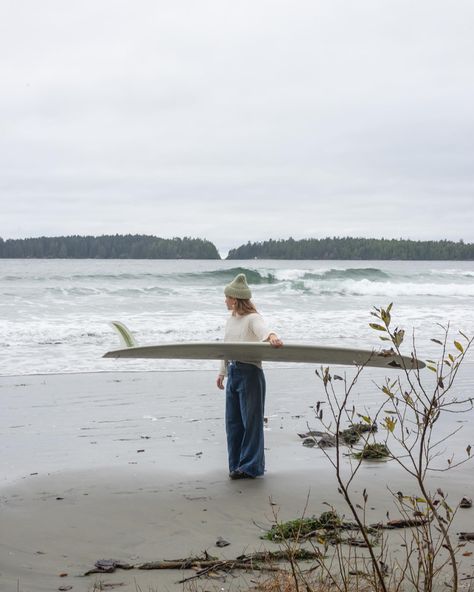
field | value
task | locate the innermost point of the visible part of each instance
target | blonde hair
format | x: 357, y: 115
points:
x: 243, y: 306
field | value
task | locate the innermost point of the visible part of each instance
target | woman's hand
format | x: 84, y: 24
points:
x: 220, y: 381
x: 274, y: 340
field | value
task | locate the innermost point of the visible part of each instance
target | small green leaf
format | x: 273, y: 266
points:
x: 437, y: 341
x: 377, y: 327
x: 432, y: 368
x: 458, y: 346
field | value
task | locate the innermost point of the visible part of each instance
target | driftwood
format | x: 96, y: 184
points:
x: 260, y: 561
x: 466, y: 536
x: 408, y: 523
x: 227, y: 565
x: 298, y: 555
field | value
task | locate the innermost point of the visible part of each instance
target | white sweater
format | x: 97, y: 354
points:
x: 249, y: 327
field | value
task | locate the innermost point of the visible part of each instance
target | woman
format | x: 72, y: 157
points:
x: 245, y: 391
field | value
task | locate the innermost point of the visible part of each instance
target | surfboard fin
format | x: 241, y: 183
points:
x: 125, y: 335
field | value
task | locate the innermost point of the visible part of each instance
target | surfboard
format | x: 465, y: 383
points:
x: 259, y: 352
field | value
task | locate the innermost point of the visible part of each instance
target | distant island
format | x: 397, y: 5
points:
x: 116, y: 246
x: 139, y: 246
x: 355, y: 248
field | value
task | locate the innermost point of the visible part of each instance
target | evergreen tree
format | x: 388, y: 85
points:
x: 108, y: 247
x: 355, y: 249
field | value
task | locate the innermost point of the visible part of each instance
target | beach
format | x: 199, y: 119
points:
x: 126, y: 459
x: 131, y: 466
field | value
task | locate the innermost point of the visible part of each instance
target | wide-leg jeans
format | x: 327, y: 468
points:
x: 245, y: 402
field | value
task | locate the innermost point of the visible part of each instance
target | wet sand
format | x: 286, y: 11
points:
x: 132, y: 466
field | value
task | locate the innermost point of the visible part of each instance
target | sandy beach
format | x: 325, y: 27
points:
x: 132, y: 467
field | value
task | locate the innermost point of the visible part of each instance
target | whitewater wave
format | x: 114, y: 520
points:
x: 262, y: 276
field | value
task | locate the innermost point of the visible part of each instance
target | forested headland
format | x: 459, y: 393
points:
x: 108, y: 247
x: 355, y: 248
x: 140, y: 246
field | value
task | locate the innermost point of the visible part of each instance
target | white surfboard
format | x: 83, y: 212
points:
x: 257, y: 352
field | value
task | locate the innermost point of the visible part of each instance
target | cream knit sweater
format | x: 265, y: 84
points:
x: 249, y: 327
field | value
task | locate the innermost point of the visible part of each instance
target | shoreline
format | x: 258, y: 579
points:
x: 125, y: 466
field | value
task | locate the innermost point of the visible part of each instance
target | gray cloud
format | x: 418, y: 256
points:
x: 237, y: 121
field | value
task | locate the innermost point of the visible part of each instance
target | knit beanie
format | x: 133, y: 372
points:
x: 238, y: 288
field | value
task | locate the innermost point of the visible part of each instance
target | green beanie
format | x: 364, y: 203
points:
x: 238, y: 288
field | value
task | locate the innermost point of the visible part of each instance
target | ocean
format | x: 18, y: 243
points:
x: 54, y: 314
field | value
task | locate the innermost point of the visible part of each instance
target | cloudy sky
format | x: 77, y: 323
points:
x: 237, y: 121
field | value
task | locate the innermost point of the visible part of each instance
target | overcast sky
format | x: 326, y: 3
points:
x: 237, y: 121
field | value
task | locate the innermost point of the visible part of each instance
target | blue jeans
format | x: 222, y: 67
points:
x: 245, y: 401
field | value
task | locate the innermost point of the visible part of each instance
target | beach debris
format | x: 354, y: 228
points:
x: 312, y: 434
x: 353, y: 433
x: 373, y: 451
x: 194, y: 498
x: 64, y: 588
x: 186, y: 563
x: 405, y: 523
x: 207, y: 565
x: 329, y: 526
x: 355, y: 542
x: 348, y: 436
x: 108, y: 566
x: 466, y: 536
x: 222, y: 542
x: 141, y: 450
x: 261, y: 561
x: 303, y: 527
x: 466, y: 502
x: 325, y: 440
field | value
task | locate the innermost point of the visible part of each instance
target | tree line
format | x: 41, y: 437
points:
x: 355, y: 248
x: 108, y: 247
x: 151, y: 247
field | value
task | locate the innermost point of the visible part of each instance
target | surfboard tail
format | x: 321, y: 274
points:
x: 126, y: 337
